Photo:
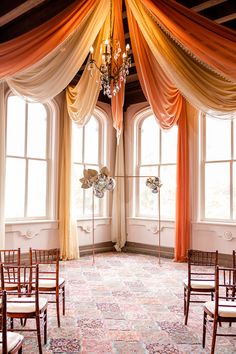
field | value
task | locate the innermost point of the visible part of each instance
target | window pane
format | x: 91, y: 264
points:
x: 149, y: 141
x: 15, y: 188
x: 217, y: 190
x: 91, y: 147
x: 148, y: 201
x: 37, y: 131
x: 77, y: 143
x: 77, y: 201
x: 218, y: 139
x: 169, y: 145
x: 168, y: 191
x: 88, y: 198
x: 234, y: 190
x: 37, y: 188
x: 15, y: 126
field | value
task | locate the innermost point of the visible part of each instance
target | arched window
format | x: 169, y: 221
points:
x: 30, y: 160
x: 155, y: 156
x: 218, y: 169
x: 89, y: 152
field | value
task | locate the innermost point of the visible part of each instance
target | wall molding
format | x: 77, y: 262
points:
x: 86, y: 224
x: 166, y: 252
x: 98, y: 248
x: 30, y: 230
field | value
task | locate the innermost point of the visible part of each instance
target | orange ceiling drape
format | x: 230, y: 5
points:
x: 212, y: 43
x: 117, y: 101
x: 169, y: 107
x: 27, y: 49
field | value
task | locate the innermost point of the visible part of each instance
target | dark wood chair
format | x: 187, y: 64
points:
x: 11, y: 257
x: 49, y: 280
x: 25, y: 302
x: 201, y: 277
x: 223, y: 309
x: 10, y: 342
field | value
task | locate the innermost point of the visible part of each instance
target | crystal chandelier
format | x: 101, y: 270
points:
x: 113, y: 71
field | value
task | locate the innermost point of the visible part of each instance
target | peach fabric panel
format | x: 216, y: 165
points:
x: 182, y: 234
x: 212, y: 43
x: 117, y: 101
x: 27, y: 49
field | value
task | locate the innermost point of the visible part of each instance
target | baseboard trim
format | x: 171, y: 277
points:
x: 98, y: 248
x: 166, y: 252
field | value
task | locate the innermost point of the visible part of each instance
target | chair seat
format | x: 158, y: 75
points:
x: 13, y: 339
x: 229, y: 311
x: 200, y: 284
x: 23, y: 304
x: 50, y: 283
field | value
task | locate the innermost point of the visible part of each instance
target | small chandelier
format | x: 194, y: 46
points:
x: 112, y: 72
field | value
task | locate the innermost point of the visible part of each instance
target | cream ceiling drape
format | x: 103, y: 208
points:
x: 48, y: 77
x: 201, y: 86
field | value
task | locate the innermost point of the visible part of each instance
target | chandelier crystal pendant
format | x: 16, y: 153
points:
x: 113, y: 71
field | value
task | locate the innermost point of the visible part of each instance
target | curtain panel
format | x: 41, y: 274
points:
x: 210, y: 42
x: 23, y: 51
x: 48, y: 77
x: 69, y: 248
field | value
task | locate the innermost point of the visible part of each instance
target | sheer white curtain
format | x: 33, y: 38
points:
x: 118, y: 226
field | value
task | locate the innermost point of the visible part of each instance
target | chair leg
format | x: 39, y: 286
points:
x: 184, y: 301
x: 58, y: 309
x: 45, y: 324
x: 214, y: 336
x: 187, y: 307
x: 204, y: 330
x: 63, y: 300
x: 12, y: 323
x: 39, y: 334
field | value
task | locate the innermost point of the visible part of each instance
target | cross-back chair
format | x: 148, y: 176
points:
x: 11, y: 257
x: 10, y: 342
x: 25, y: 302
x: 49, y: 280
x: 223, y: 309
x: 201, y: 277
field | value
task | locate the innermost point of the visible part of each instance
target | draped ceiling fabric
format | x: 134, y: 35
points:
x: 179, y: 56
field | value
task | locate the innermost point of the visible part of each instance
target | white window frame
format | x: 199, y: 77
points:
x: 52, y: 110
x: 103, y: 157
x: 203, y: 162
x: 138, y: 121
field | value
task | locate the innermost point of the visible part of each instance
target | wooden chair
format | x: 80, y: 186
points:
x: 49, y: 280
x: 201, y: 280
x: 11, y: 257
x: 223, y: 309
x: 25, y: 302
x: 10, y: 342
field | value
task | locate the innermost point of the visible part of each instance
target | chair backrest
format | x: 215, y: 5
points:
x: 234, y: 259
x: 225, y: 290
x: 200, y: 264
x: 3, y: 322
x: 48, y: 260
x: 10, y: 256
x: 26, y: 278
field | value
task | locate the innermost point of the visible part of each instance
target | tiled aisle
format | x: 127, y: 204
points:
x: 126, y: 303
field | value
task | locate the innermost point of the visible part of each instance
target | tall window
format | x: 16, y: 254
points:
x: 28, y: 160
x: 88, y: 153
x: 156, y: 156
x: 219, y: 169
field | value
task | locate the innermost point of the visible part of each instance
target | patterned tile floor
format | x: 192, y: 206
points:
x: 125, y: 304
